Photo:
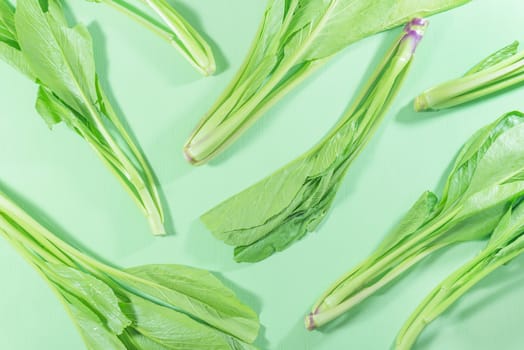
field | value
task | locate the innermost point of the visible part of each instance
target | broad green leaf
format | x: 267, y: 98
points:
x: 494, y: 58
x: 173, y: 329
x: 95, y: 335
x: 59, y: 56
x: 198, y: 293
x: 93, y: 293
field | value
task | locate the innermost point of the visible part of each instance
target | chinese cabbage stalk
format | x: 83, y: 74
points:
x: 145, y: 307
x: 488, y: 175
x: 294, y: 38
x: 501, y: 70
x: 176, y: 31
x: 505, y: 244
x: 60, y: 59
x: 279, y: 210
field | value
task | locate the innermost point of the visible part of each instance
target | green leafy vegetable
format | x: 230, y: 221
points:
x: 279, y: 210
x: 176, y: 31
x: 506, y: 243
x: 484, y: 182
x: 500, y: 70
x: 60, y: 59
x: 294, y: 38
x: 145, y: 307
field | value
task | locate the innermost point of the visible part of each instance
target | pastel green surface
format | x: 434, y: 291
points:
x: 162, y: 97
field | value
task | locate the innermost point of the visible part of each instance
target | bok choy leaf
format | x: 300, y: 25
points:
x: 38, y: 42
x: 142, y: 308
x: 280, y: 209
x: 486, y: 179
x: 294, y: 38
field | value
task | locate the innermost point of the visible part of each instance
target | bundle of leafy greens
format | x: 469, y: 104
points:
x: 279, y: 210
x: 505, y: 244
x: 497, y: 72
x: 175, y: 30
x: 60, y: 59
x: 145, y: 307
x: 295, y: 37
x: 487, y: 177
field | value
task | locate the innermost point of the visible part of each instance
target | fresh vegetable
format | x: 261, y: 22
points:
x: 146, y: 307
x: 60, y: 59
x: 295, y: 38
x: 497, y: 72
x: 505, y: 244
x: 178, y: 32
x: 485, y: 180
x: 279, y: 210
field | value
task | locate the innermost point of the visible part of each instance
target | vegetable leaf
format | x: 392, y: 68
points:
x: 280, y: 209
x: 61, y: 60
x: 145, y: 307
x: 476, y: 198
x: 295, y: 38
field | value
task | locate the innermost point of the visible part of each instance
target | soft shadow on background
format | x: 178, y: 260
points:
x: 210, y: 251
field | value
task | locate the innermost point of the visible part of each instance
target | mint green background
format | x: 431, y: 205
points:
x: 162, y: 98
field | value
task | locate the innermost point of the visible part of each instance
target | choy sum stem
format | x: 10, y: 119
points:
x: 295, y: 37
x: 176, y: 30
x: 502, y: 69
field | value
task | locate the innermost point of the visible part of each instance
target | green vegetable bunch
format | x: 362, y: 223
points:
x: 500, y: 70
x: 486, y: 179
x: 39, y: 43
x: 176, y: 31
x: 505, y: 244
x: 279, y: 210
x: 157, y: 307
x: 294, y: 38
